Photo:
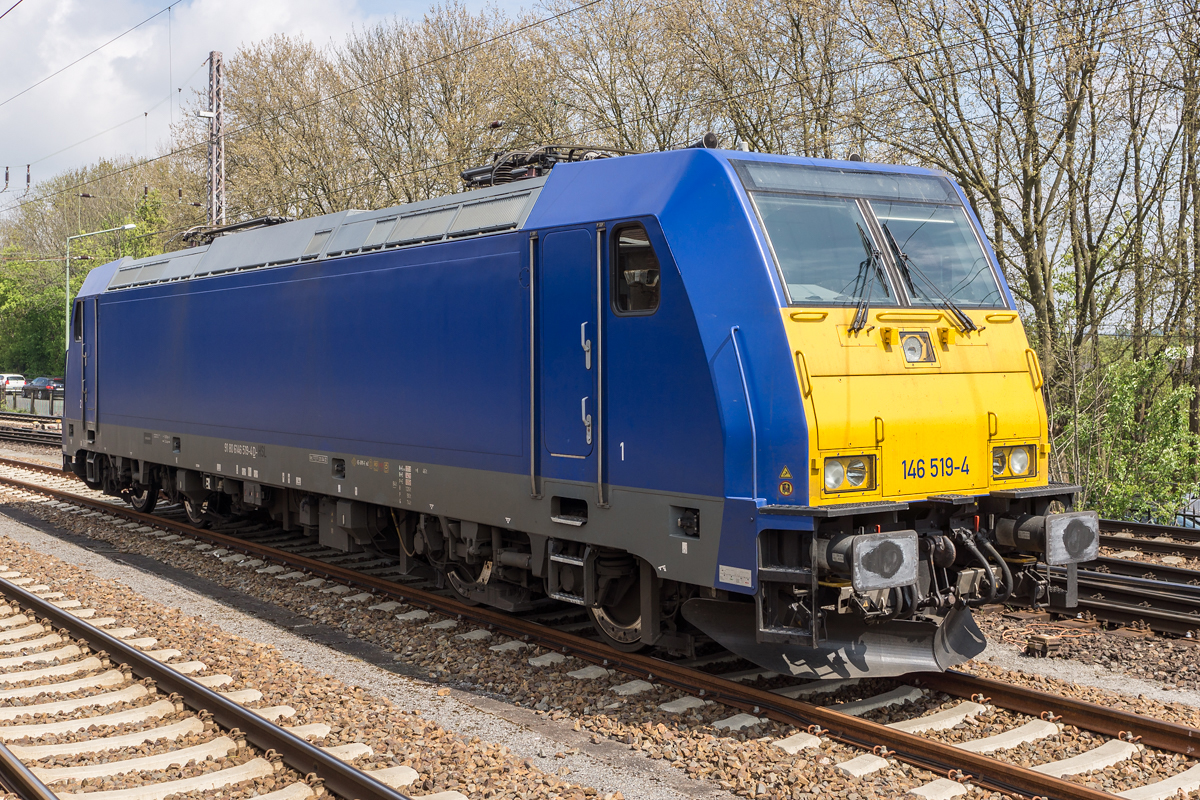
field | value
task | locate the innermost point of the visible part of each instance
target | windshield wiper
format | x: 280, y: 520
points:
x: 872, y: 268
x: 961, y: 320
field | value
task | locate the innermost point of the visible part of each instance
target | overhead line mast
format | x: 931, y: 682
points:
x: 216, y: 139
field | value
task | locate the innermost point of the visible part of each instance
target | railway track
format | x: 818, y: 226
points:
x: 26, y: 417
x: 1164, y: 606
x: 29, y: 435
x: 9, y: 433
x: 913, y: 741
x: 1150, y: 538
x: 163, y: 697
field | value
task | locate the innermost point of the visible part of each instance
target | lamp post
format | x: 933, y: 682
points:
x: 67, y: 329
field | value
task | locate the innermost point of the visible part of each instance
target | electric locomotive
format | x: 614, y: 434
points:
x: 782, y: 403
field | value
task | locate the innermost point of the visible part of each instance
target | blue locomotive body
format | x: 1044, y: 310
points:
x: 576, y: 386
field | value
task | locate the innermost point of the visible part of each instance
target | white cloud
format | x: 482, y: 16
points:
x: 129, y: 79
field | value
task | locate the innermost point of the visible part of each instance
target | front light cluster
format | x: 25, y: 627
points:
x: 1017, y: 461
x: 849, y: 473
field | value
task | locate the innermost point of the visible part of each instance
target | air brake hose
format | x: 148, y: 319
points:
x: 1004, y: 570
x: 912, y: 598
x: 966, y: 540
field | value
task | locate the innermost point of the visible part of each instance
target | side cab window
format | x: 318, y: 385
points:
x: 636, y: 284
x: 77, y: 321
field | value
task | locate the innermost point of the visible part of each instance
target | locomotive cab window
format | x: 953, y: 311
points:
x: 636, y: 280
x: 77, y: 321
x: 825, y: 250
x: 834, y: 232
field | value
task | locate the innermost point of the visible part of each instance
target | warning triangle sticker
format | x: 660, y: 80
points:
x: 787, y: 473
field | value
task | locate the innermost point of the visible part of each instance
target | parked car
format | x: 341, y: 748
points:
x: 42, y: 388
x: 11, y: 382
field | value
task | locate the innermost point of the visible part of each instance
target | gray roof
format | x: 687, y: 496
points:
x: 468, y: 214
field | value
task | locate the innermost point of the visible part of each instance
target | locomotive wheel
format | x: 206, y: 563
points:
x: 195, y: 511
x: 144, y: 498
x: 620, y: 623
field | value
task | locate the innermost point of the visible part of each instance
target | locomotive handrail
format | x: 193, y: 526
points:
x: 737, y: 351
x: 533, y: 487
x: 1035, y: 369
x: 600, y: 229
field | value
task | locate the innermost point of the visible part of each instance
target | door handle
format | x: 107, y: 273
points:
x: 878, y: 430
x: 587, y: 418
x: 586, y: 344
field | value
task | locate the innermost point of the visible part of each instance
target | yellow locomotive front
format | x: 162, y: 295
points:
x: 916, y: 374
x: 909, y: 405
x: 928, y: 488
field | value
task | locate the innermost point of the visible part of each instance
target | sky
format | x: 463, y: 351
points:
x: 121, y: 100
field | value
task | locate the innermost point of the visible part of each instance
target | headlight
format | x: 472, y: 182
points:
x: 914, y: 350
x: 835, y: 475
x: 1018, y: 460
x: 849, y: 473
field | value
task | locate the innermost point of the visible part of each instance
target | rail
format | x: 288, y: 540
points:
x: 1150, y: 529
x: 25, y: 416
x: 339, y: 777
x: 9, y: 433
x: 921, y: 752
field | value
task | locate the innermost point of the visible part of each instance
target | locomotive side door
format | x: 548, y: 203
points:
x: 569, y: 343
x: 90, y: 328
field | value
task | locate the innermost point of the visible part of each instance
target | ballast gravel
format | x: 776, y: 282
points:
x: 18, y: 451
x: 742, y: 762
x: 1125, y: 661
x: 398, y: 737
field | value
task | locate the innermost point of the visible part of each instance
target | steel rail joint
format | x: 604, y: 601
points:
x: 924, y: 753
x: 340, y: 778
x: 1161, y: 734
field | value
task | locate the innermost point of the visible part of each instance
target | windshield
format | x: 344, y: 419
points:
x: 823, y: 249
x: 938, y: 254
x: 812, y: 217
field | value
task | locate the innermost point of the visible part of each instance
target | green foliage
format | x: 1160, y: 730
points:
x: 1125, y: 436
x: 31, y: 317
x: 32, y: 302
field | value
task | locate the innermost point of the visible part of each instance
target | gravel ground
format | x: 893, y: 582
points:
x: 1124, y: 662
x: 398, y: 737
x: 51, y: 456
x: 723, y: 761
x: 534, y: 759
x: 1150, y: 559
x: 743, y: 763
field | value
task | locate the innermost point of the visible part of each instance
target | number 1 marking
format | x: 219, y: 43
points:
x: 622, y: 451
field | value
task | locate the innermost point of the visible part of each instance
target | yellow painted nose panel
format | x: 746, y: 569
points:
x: 935, y: 434
x: 930, y: 424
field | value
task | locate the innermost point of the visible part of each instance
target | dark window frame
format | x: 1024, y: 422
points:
x: 614, y: 278
x: 77, y: 322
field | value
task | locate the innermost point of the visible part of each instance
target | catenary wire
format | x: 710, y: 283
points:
x: 276, y: 117
x: 86, y: 55
x: 716, y: 101
x: 498, y: 37
x: 138, y: 116
x: 290, y: 112
x: 10, y: 8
